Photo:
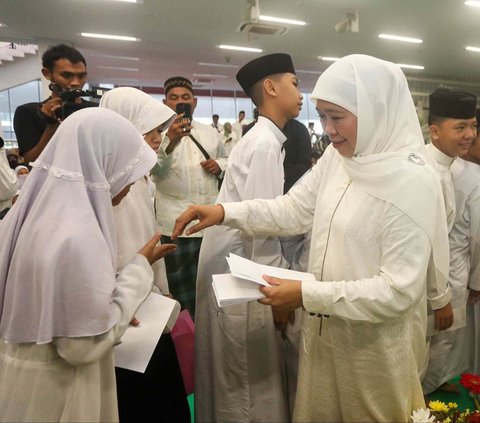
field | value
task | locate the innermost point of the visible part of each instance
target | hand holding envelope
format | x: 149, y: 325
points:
x: 242, y: 285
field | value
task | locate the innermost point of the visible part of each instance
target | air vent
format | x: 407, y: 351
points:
x: 261, y: 28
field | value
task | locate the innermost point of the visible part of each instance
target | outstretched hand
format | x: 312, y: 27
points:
x: 207, y: 215
x: 284, y: 294
x: 152, y: 252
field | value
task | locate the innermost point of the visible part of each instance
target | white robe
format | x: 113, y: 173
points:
x: 135, y: 223
x: 71, y: 379
x: 456, y: 351
x: 238, y: 363
x: 364, y: 366
x: 440, y: 345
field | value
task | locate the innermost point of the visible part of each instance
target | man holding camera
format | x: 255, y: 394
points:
x: 190, y: 163
x: 35, y: 123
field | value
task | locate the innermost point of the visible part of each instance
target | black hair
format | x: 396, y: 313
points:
x: 61, y: 51
x: 435, y: 120
x: 215, y: 116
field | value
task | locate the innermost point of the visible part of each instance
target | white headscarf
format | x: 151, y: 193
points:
x: 135, y: 216
x: 389, y: 161
x: 142, y: 110
x: 58, y: 250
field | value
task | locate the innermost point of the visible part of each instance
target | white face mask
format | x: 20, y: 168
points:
x: 21, y: 180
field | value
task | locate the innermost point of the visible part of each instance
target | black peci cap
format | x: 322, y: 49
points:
x: 453, y: 104
x: 177, y: 81
x: 262, y: 67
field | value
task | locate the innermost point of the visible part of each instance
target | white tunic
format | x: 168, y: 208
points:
x: 441, y: 163
x: 233, y: 140
x: 238, y: 362
x: 364, y: 365
x: 135, y: 223
x: 71, y: 379
x: 456, y: 351
x: 181, y: 180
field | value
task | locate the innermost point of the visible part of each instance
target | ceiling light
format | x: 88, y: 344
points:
x: 250, y: 49
x: 107, y: 56
x: 473, y: 3
x: 411, y: 66
x: 109, y: 37
x: 400, y: 38
x: 118, y: 68
x: 209, y: 75
x: 308, y: 71
x: 475, y: 49
x: 329, y: 59
x: 217, y: 65
x: 281, y: 20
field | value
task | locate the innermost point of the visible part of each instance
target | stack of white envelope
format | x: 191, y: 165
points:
x: 242, y: 285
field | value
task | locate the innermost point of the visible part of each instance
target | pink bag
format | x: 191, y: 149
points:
x: 183, y: 335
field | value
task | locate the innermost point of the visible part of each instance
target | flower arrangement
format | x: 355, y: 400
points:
x: 441, y: 412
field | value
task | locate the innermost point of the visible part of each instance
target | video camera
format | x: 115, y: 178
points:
x: 68, y: 97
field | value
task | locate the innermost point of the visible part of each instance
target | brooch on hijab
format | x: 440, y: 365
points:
x: 416, y: 159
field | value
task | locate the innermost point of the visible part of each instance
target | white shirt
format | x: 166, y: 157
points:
x: 441, y: 162
x: 233, y: 140
x: 465, y: 235
x: 180, y: 179
x: 8, y: 181
x: 237, y: 127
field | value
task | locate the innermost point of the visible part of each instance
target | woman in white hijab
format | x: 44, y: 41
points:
x: 158, y: 394
x: 62, y: 306
x: 378, y: 228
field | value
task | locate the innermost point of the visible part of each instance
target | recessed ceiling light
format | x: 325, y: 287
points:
x: 400, y: 38
x: 119, y: 68
x: 109, y: 37
x: 329, y: 59
x: 250, y: 49
x: 108, y: 56
x: 410, y: 66
x: 475, y: 49
x: 281, y: 20
x: 473, y: 3
x: 308, y: 71
x: 217, y: 65
x: 209, y: 75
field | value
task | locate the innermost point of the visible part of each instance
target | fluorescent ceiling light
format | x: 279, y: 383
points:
x: 411, y: 66
x: 400, y: 38
x: 475, y: 49
x: 281, y: 20
x: 250, y: 49
x: 308, y: 71
x: 118, y: 68
x: 209, y: 75
x: 473, y: 3
x: 109, y: 37
x: 217, y: 65
x: 329, y: 59
x: 108, y: 56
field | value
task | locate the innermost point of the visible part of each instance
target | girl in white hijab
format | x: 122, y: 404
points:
x: 62, y: 307
x: 378, y: 229
x: 158, y: 394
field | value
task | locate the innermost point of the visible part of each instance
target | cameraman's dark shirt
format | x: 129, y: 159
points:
x: 29, y: 125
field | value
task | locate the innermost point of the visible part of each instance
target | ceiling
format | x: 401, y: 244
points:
x: 178, y: 34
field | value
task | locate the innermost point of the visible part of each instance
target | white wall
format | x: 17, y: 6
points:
x: 20, y: 71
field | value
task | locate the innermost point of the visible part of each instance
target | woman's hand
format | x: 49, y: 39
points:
x: 152, y: 252
x: 284, y: 294
x: 207, y: 215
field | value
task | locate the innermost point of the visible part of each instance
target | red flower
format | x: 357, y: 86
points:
x: 473, y: 418
x: 471, y: 382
